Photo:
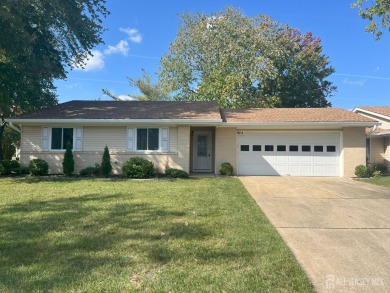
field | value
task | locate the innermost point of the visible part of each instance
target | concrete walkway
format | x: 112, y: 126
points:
x: 338, y: 229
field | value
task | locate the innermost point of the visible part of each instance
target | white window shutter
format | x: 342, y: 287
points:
x: 130, y: 139
x: 78, y: 139
x: 45, y: 139
x: 164, y: 139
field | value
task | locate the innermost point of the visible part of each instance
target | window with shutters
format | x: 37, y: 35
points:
x: 147, y: 139
x: 56, y: 138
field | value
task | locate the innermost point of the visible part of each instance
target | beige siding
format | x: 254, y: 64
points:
x: 31, y: 139
x: 385, y: 122
x: 387, y: 152
x: 354, y: 149
x: 377, y: 150
x: 97, y: 137
x: 94, y: 141
x: 225, y: 145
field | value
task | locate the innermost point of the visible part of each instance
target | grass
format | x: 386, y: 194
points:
x: 96, y: 235
x: 380, y: 180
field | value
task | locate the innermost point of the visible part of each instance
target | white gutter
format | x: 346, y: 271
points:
x: 10, y: 124
x: 303, y: 124
x: 371, y: 113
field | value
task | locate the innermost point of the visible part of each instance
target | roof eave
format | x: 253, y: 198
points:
x: 302, y: 124
x: 115, y: 121
x: 371, y: 113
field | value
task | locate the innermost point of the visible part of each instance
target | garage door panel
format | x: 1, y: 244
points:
x: 292, y: 153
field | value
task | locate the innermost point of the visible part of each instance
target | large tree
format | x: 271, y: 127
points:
x: 245, y: 62
x: 377, y: 13
x: 39, y: 40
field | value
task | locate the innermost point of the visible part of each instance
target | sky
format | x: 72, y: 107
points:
x: 138, y: 33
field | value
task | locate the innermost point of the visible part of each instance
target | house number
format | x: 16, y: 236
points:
x: 240, y: 132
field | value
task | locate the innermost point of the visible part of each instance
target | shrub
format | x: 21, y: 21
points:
x: 138, y: 168
x: 38, y: 167
x: 106, y: 167
x: 380, y: 167
x: 91, y: 171
x: 226, y: 169
x: 176, y: 173
x: 362, y: 171
x: 8, y: 166
x: 68, y: 162
x: 376, y: 173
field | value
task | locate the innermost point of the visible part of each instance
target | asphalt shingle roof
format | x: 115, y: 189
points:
x: 272, y: 115
x: 382, y: 110
x: 128, y: 110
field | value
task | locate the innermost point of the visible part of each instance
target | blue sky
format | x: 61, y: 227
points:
x: 139, y: 33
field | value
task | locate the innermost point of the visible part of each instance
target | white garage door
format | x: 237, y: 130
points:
x: 289, y: 153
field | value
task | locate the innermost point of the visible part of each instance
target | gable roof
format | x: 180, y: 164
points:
x: 381, y: 110
x: 274, y: 115
x: 208, y: 110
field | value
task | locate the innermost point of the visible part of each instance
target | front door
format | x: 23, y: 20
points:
x: 202, y: 154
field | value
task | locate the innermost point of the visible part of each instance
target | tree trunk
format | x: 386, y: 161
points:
x: 2, y: 126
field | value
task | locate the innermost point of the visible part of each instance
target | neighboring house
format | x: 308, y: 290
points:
x: 378, y: 138
x: 198, y: 137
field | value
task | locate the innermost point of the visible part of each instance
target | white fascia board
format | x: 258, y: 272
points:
x: 371, y: 113
x: 118, y: 121
x: 300, y: 124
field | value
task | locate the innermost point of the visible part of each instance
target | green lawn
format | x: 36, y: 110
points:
x: 93, y: 235
x: 381, y: 180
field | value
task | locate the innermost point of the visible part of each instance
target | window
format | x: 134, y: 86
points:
x: 293, y: 148
x: 269, y: 148
x: 306, y: 148
x: 148, y: 139
x: 60, y: 137
x: 331, y: 149
x: 256, y: 148
x: 245, y: 148
x: 281, y: 148
x: 318, y: 148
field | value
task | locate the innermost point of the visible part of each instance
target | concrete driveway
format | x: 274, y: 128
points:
x: 338, y: 229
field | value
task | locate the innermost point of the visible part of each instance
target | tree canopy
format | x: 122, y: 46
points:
x: 39, y: 40
x: 245, y: 62
x: 378, y: 15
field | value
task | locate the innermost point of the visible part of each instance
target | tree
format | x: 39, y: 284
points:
x: 68, y: 162
x: 245, y: 62
x: 38, y: 40
x: 106, y: 163
x: 149, y: 91
x: 378, y: 15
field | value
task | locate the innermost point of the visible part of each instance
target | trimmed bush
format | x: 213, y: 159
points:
x: 91, y: 171
x: 38, y: 167
x: 226, y: 169
x: 138, y: 168
x: 68, y: 162
x: 380, y: 167
x: 362, y: 171
x: 176, y: 173
x: 9, y: 166
x: 106, y: 167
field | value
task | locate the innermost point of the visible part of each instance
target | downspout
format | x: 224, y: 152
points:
x: 10, y: 124
x: 373, y: 130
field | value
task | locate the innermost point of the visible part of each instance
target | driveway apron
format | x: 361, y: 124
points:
x: 338, y: 229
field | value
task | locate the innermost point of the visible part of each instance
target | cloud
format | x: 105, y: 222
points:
x: 132, y: 34
x: 121, y: 48
x: 125, y: 98
x: 94, y: 62
x: 356, y: 82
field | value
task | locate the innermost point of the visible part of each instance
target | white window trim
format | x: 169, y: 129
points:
x: 132, y: 140
x: 48, y: 138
